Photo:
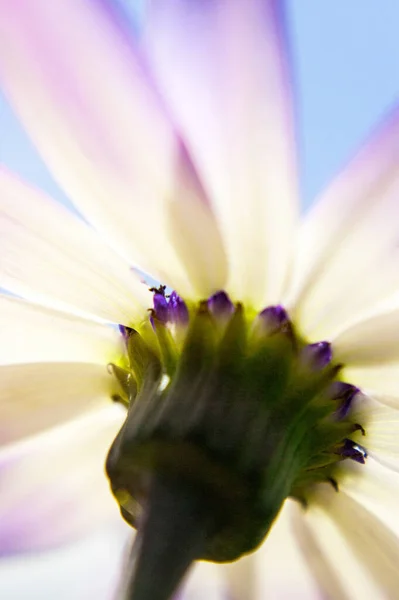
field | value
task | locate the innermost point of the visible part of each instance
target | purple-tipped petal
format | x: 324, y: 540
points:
x: 223, y: 69
x: 273, y: 319
x: 318, y: 355
x: 177, y: 310
x: 354, y: 451
x: 220, y: 305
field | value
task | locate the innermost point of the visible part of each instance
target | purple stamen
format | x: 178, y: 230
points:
x: 317, y: 355
x: 343, y: 393
x: 274, y: 319
x: 354, y: 451
x: 160, y: 307
x: 177, y: 310
x: 220, y: 305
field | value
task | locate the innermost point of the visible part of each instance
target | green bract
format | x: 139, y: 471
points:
x: 243, y: 413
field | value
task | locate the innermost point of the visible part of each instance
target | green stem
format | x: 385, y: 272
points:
x: 171, y: 536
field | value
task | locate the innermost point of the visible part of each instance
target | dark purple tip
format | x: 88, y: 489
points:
x: 177, y: 310
x: 343, y: 394
x: 160, y: 307
x: 354, y: 451
x: 274, y: 319
x: 220, y: 305
x: 317, y: 355
x: 125, y: 331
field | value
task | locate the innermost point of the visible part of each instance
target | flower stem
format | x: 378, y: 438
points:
x: 171, y: 535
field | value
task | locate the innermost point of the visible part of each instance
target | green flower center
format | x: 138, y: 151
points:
x: 236, y: 408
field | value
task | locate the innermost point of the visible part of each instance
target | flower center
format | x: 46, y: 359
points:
x: 235, y: 407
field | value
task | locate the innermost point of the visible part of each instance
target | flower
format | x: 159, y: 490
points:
x: 178, y: 148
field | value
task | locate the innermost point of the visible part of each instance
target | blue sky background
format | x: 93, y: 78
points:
x: 346, y: 68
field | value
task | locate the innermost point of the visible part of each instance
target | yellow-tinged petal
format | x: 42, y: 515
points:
x: 347, y: 260
x: 35, y: 397
x: 353, y: 576
x: 370, y: 341
x: 378, y: 381
x: 50, y: 256
x: 381, y: 423
x: 321, y: 569
x: 86, y: 99
x: 53, y: 486
x: 32, y: 333
x: 374, y: 546
x: 376, y: 487
x: 222, y: 68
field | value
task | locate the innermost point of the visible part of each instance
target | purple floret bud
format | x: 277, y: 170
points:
x: 318, y: 355
x: 273, y: 319
x: 125, y: 331
x: 354, y: 451
x: 160, y: 307
x: 343, y: 394
x: 177, y: 310
x: 220, y: 305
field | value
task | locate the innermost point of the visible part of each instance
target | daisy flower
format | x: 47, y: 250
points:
x: 246, y: 410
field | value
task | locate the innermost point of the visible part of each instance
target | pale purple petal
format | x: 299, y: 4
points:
x: 86, y: 99
x: 222, y: 68
x: 347, y: 260
x: 84, y: 570
x: 53, y: 487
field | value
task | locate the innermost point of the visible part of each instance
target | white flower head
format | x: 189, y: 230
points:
x: 262, y: 392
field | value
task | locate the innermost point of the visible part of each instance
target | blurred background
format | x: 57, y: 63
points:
x: 345, y: 59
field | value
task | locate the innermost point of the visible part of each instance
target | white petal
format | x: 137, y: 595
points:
x: 374, y: 341
x: 205, y: 581
x: 84, y: 570
x: 35, y: 397
x: 241, y: 577
x: 379, y: 382
x: 348, y: 255
x: 353, y: 576
x: 54, y: 487
x: 268, y: 566
x: 322, y: 571
x: 103, y: 133
x: 376, y: 487
x: 222, y: 68
x: 50, y: 256
x: 31, y: 333
x: 382, y: 429
x: 374, y: 546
